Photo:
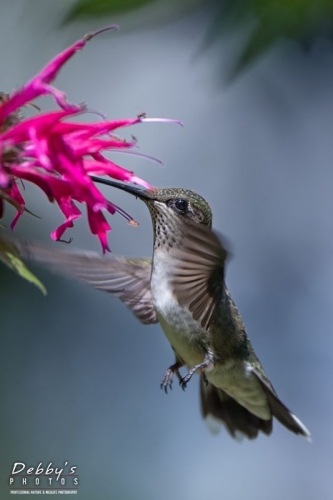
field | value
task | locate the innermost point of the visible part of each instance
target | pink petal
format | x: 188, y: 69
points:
x: 99, y: 226
x: 37, y: 86
x: 98, y: 128
x: 58, y: 155
x: 15, y: 194
x: 41, y: 123
x: 71, y: 213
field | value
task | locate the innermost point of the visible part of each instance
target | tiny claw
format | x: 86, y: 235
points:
x: 166, y: 387
x: 183, y: 382
x: 167, y: 381
x: 208, y: 361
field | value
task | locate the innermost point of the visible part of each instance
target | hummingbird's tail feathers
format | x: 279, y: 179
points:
x: 123, y: 277
x: 281, y: 412
x: 217, y: 405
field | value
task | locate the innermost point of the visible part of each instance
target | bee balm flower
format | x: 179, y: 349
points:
x: 58, y: 154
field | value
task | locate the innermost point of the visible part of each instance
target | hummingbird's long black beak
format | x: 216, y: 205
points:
x: 135, y: 191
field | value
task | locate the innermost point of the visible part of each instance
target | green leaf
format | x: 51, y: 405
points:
x: 9, y: 255
x: 269, y: 22
x: 259, y: 42
x: 98, y: 8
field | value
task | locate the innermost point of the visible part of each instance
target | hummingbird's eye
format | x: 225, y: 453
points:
x: 181, y: 205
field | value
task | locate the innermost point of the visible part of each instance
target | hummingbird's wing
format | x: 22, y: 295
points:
x: 124, y: 277
x: 198, y: 272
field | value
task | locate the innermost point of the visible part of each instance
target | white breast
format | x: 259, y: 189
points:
x: 184, y: 334
x: 190, y: 342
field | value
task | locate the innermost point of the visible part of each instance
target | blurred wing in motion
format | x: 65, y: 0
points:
x: 124, y: 277
x: 198, y: 272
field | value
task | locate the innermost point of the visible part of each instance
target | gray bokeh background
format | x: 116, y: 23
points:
x: 79, y: 375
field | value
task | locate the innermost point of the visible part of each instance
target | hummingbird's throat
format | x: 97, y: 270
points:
x: 165, y: 225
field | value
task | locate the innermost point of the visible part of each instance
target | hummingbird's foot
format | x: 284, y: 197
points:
x: 207, y: 363
x: 167, y: 379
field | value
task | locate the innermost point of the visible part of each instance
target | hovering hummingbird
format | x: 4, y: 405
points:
x: 182, y: 287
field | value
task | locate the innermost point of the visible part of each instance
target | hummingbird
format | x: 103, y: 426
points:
x: 182, y: 287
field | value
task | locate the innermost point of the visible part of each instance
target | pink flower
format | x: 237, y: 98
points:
x: 58, y: 154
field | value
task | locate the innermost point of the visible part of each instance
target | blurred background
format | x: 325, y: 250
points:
x: 79, y: 375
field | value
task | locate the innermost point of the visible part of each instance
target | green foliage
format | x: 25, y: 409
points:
x: 97, y: 8
x: 271, y: 20
x: 9, y: 255
x: 274, y: 20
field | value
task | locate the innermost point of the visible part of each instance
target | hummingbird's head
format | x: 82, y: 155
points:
x: 170, y: 208
x: 180, y: 205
